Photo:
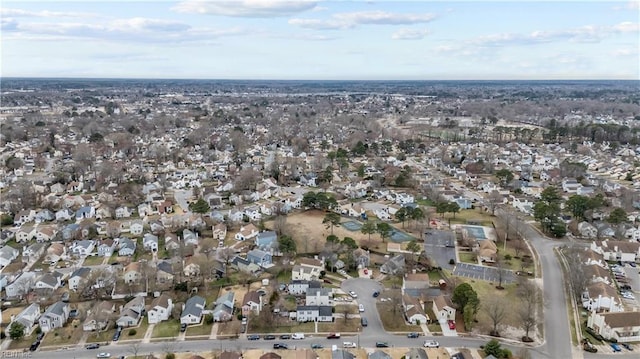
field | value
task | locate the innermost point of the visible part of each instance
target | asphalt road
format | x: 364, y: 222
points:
x: 364, y: 288
x: 439, y: 245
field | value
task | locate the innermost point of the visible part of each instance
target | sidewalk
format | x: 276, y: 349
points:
x: 214, y: 331
x: 83, y: 339
x: 147, y: 334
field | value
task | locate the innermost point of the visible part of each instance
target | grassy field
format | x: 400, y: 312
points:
x: 203, y: 329
x: 468, y: 257
x: 68, y: 335
x: 340, y: 325
x: 391, y: 313
x: 23, y: 343
x: 140, y: 330
x: 92, y: 261
x: 100, y: 337
x: 168, y: 328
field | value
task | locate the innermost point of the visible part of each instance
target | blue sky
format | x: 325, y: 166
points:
x: 306, y: 39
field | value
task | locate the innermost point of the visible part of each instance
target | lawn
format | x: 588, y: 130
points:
x: 139, y: 331
x: 351, y: 325
x: 196, y: 330
x: 23, y: 343
x: 92, y: 261
x: 229, y: 329
x: 100, y: 337
x: 435, y: 276
x: 68, y: 335
x: 166, y: 329
x: 468, y: 257
x: 392, y: 315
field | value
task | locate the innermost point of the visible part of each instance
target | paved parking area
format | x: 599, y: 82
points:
x: 489, y: 274
x: 440, y: 246
x: 633, y: 277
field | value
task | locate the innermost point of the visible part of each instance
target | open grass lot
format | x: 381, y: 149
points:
x: 92, y: 261
x: 7, y: 313
x: 229, y: 329
x: 466, y: 215
x: 101, y: 337
x: 196, y: 330
x: 468, y: 257
x: 340, y: 325
x: 68, y: 335
x: 168, y: 328
x: 392, y: 315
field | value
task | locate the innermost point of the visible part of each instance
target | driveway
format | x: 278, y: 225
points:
x: 633, y: 277
x: 364, y: 288
x: 440, y: 246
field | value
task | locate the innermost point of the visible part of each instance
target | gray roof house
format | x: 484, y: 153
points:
x: 131, y: 313
x: 28, y: 317
x: 192, y: 310
x: 259, y: 257
x: 7, y: 255
x: 267, y: 240
x: 416, y: 353
x: 150, y: 242
x: 126, y: 247
x: 341, y: 354
x: 223, y: 310
x: 393, y: 265
x: 379, y: 354
x: 55, y: 316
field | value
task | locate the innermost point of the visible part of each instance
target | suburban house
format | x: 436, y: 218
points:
x: 600, y: 296
x: 314, y: 313
x: 624, y: 251
x: 33, y: 252
x: 443, y: 309
x: 49, y: 281
x: 319, y: 296
x: 223, y: 310
x: 160, y: 309
x: 150, y: 242
x: 621, y: 326
x: 25, y: 234
x: 191, y: 267
x: 308, y: 269
x: 171, y: 242
x: 247, y: 232
x: 299, y: 287
x: 132, y: 272
x: 393, y: 265
x: 417, y: 353
x: 82, y: 248
x: 243, y: 265
x: 252, y: 302
x: 587, y: 230
x: 220, y: 231
x: 20, y: 286
x: 413, y: 310
x: 99, y: 316
x: 192, y: 310
x: 136, y: 228
x: 106, y: 247
x: 28, y: 317
x: 267, y: 240
x: 164, y: 273
x: 55, y: 252
x: 190, y: 237
x: 7, y: 255
x: 77, y: 277
x: 259, y: 257
x: 126, y: 247
x: 596, y: 273
x: 54, y: 317
x: 131, y: 313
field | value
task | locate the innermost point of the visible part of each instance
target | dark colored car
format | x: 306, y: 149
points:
x: 285, y: 336
x: 376, y: 294
x: 253, y: 337
x: 40, y: 337
x: 413, y: 335
x: 333, y: 336
x: 382, y: 345
x: 183, y: 327
x: 280, y: 346
x: 34, y: 346
x: 93, y: 346
x: 316, y: 346
x: 269, y: 337
x: 626, y: 346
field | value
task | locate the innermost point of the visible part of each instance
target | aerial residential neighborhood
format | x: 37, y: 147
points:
x: 182, y: 215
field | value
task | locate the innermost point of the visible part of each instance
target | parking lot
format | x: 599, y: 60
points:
x: 489, y: 274
x: 440, y: 246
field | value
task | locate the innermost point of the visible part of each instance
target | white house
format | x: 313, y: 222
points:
x: 160, y: 309
x: 443, y: 309
x: 247, y: 232
x: 192, y: 310
x: 621, y: 326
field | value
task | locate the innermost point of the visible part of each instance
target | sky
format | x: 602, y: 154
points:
x: 321, y: 40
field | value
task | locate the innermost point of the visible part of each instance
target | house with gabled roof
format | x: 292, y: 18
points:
x: 24, y: 216
x: 252, y: 302
x: 136, y: 228
x: 171, y: 242
x: 150, y: 242
x: 261, y: 258
x: 50, y: 281
x: 65, y: 214
x: 244, y: 265
x: 600, y: 296
x: 247, y: 232
x: 106, y: 247
x: 314, y: 313
x: 7, y: 255
x: 220, y: 231
x: 160, y: 309
x: 25, y: 234
x: 267, y: 240
x: 625, y: 251
x: 131, y: 313
x: 55, y: 252
x: 164, y: 272
x: 126, y: 247
x: 624, y: 327
x: 124, y: 212
x: 413, y: 310
x: 77, y: 277
x: 443, y: 308
x: 84, y: 213
x: 28, y: 317
x: 46, y: 233
x: 190, y: 237
x: 99, y: 316
x: 223, y: 310
x: 54, y: 317
x: 33, y: 252
x: 192, y: 310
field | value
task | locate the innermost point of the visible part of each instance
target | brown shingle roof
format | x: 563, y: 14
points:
x: 622, y: 319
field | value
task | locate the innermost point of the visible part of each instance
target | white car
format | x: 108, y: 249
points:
x: 349, y: 345
x: 104, y: 355
x: 353, y: 294
x: 431, y: 344
x: 361, y: 308
x: 297, y: 336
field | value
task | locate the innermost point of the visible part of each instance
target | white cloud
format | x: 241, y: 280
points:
x: 626, y: 52
x: 4, y: 12
x: 633, y: 5
x: 352, y: 19
x: 245, y: 8
x: 627, y: 27
x: 410, y: 34
x: 143, y: 24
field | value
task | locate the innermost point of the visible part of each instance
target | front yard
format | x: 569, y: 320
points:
x: 100, y: 337
x: 23, y: 343
x: 391, y: 313
x: 199, y: 330
x: 136, y: 332
x: 93, y: 261
x: 167, y: 329
x: 68, y: 335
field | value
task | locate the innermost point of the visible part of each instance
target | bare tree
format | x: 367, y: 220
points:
x: 496, y: 309
x: 134, y: 349
x: 530, y: 299
x: 494, y: 199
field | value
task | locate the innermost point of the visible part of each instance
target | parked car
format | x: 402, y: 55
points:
x: 103, y: 355
x: 353, y: 294
x: 269, y: 337
x: 40, y: 336
x: 626, y: 346
x: 632, y: 264
x: 34, y: 346
x: 364, y: 322
x: 361, y: 308
x: 376, y: 294
x: 285, y: 336
x: 297, y: 336
x: 382, y: 345
x: 93, y: 346
x: 333, y: 336
x: 316, y: 346
x: 615, y: 347
x: 413, y: 335
x: 280, y: 346
x: 253, y: 337
x: 431, y: 344
x: 452, y: 325
x: 349, y: 345
x: 183, y: 327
